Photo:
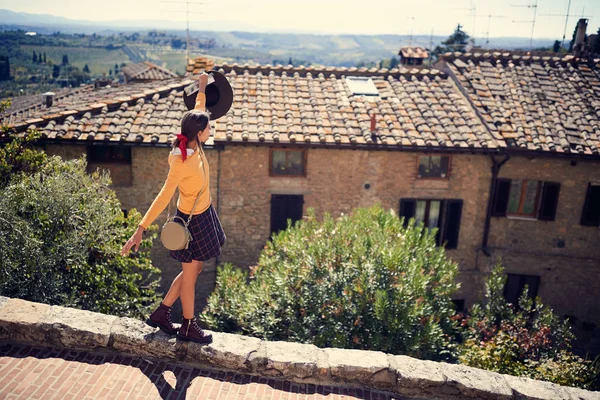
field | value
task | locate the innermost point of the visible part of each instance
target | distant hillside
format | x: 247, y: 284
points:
x: 245, y: 41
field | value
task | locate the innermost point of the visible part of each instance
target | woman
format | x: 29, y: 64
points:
x: 189, y: 173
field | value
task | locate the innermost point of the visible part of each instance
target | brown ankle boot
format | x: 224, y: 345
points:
x: 161, y: 318
x: 191, y: 331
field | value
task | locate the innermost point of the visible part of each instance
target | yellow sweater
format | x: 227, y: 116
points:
x: 189, y: 177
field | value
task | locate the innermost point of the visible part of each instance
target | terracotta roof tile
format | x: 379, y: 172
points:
x: 413, y: 52
x: 538, y: 103
x: 146, y: 71
x: 550, y: 106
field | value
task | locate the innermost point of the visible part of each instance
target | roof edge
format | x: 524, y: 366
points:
x: 338, y: 72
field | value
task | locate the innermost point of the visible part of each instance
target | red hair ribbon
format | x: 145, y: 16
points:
x: 182, y: 145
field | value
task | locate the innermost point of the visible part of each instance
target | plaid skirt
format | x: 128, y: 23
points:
x: 207, y: 237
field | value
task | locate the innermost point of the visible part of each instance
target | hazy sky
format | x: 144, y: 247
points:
x: 338, y: 16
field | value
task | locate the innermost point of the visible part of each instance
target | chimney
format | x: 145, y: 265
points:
x: 579, y: 44
x: 48, y: 98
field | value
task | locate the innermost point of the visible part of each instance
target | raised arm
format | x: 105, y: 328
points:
x: 201, y: 96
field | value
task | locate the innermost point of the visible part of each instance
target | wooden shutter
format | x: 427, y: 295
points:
x: 591, y: 207
x: 452, y: 216
x: 549, y: 202
x: 502, y: 194
x: 407, y: 209
x: 284, y: 207
x: 515, y: 284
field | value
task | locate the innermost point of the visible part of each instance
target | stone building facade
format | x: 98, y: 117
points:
x: 357, y: 149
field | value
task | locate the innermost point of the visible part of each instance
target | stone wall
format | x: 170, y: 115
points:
x: 335, y: 183
x: 563, y: 253
x: 35, y: 323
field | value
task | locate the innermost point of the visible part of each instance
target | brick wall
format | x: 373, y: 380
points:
x: 563, y: 253
x: 335, y: 183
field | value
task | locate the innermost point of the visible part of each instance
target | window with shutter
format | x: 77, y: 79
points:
x: 283, y: 208
x: 445, y: 215
x: 407, y: 209
x: 515, y: 284
x: 502, y: 194
x: 452, y: 223
x: 591, y: 207
x: 549, y: 202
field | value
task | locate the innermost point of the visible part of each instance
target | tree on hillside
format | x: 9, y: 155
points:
x: 55, y: 71
x: 34, y: 58
x: 86, y: 69
x: 65, y: 59
x: 44, y: 57
x: 556, y: 46
x: 116, y: 68
x: 457, y: 41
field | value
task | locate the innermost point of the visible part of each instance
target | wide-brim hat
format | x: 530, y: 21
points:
x: 219, y: 96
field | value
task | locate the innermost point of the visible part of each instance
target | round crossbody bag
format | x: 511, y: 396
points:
x: 175, y: 234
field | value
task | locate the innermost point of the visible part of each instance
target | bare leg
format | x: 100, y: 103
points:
x: 175, y: 289
x: 187, y: 292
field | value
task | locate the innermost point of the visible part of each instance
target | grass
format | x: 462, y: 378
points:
x: 99, y: 60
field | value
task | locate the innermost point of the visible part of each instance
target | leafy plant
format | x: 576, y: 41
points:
x: 362, y: 281
x: 526, y: 339
x: 61, y: 231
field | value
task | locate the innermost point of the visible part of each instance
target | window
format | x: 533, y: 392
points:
x: 115, y: 159
x: 442, y: 214
x: 526, y: 198
x: 433, y: 166
x: 459, y: 305
x: 515, y: 284
x: 523, y: 197
x: 285, y: 207
x: 288, y: 162
x: 591, y: 208
x: 109, y: 154
x: 360, y: 85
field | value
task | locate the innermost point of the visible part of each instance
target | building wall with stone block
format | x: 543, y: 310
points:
x: 335, y: 183
x: 563, y: 253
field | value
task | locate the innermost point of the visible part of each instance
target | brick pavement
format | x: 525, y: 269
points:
x: 48, y: 373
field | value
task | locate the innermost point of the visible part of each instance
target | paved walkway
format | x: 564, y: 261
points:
x: 39, y: 373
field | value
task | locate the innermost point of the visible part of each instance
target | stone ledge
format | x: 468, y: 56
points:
x: 34, y: 323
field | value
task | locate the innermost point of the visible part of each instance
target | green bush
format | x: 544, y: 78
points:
x: 61, y: 231
x: 361, y: 281
x: 527, y: 339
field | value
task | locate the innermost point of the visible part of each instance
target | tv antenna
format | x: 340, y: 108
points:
x: 487, y: 34
x: 412, y: 27
x: 567, y: 16
x: 533, y: 6
x: 473, y: 13
x: 187, y: 17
